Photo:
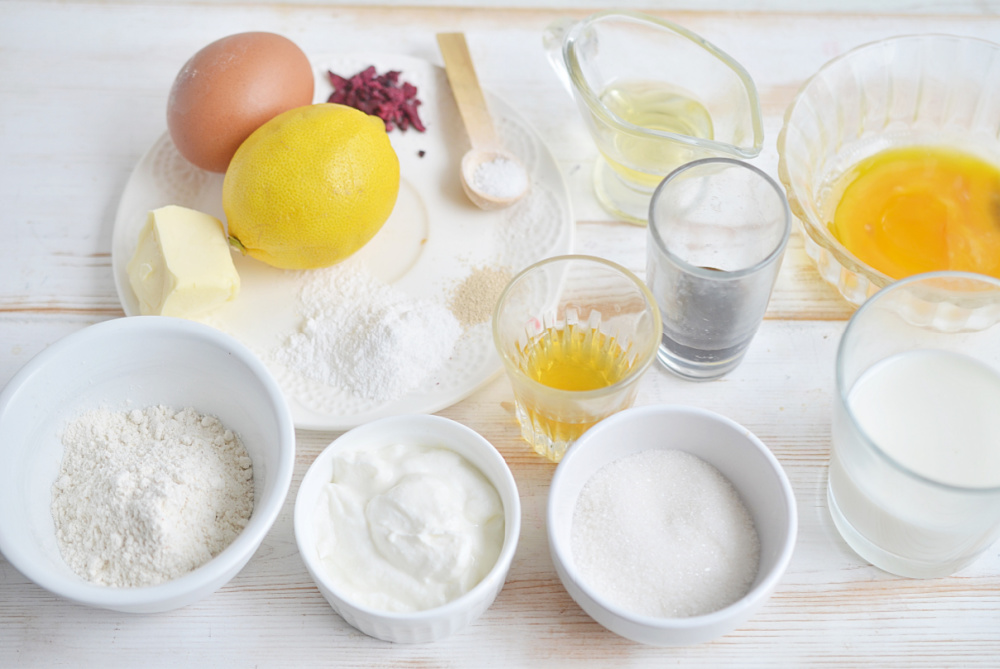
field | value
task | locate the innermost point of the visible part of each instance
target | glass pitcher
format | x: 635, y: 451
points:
x: 654, y: 96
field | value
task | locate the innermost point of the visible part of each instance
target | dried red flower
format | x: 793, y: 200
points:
x: 379, y: 95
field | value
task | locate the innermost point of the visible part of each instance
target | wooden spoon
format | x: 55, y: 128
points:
x: 491, y: 176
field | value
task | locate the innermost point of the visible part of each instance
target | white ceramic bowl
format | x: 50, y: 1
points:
x: 730, y: 448
x: 901, y: 91
x: 439, y: 622
x: 135, y: 363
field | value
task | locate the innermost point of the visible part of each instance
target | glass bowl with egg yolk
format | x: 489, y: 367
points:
x: 891, y: 162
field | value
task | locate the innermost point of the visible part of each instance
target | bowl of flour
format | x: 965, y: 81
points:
x: 147, y: 459
x: 670, y: 525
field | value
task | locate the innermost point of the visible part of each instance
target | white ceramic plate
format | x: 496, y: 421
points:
x: 434, y: 239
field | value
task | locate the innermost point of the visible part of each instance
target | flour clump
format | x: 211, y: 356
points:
x: 144, y: 496
x: 366, y: 336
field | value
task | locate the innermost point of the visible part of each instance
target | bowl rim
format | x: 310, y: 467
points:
x: 486, y: 587
x: 735, y: 611
x: 816, y: 230
x: 265, y: 512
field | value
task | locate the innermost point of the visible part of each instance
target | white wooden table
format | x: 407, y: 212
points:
x: 83, y: 91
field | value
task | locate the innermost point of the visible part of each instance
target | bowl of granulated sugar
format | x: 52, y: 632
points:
x: 670, y: 525
x: 145, y: 460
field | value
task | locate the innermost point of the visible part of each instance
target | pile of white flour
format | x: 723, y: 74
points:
x: 144, y: 496
x: 367, y: 337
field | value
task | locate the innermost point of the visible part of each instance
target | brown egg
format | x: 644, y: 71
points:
x: 229, y: 89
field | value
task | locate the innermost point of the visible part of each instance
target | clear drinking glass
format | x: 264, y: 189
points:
x: 575, y: 334
x: 914, y: 477
x: 717, y: 233
x: 654, y: 96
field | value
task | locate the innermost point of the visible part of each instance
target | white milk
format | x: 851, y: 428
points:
x: 936, y: 416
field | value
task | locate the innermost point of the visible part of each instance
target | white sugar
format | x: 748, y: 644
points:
x: 663, y: 533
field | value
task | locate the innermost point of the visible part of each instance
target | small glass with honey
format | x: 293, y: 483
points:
x: 575, y: 334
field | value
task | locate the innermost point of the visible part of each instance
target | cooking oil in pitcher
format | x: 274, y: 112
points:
x: 645, y: 159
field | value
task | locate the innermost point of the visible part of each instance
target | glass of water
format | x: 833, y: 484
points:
x: 717, y: 232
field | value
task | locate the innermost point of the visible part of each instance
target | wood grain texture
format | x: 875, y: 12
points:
x: 83, y: 95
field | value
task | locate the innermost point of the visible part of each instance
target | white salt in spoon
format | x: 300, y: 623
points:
x: 492, y: 177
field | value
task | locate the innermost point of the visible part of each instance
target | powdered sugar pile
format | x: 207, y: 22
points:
x: 367, y: 337
x: 144, y: 496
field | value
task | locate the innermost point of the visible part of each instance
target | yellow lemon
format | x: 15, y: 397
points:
x: 311, y: 186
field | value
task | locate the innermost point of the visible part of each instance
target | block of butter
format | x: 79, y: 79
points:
x: 182, y: 266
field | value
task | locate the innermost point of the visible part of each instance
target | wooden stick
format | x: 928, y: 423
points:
x: 465, y: 88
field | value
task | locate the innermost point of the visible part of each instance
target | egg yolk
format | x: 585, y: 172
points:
x: 921, y: 209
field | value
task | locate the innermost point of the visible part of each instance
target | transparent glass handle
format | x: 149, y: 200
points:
x: 552, y: 40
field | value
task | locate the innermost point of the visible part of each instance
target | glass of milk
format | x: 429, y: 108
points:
x: 914, y: 479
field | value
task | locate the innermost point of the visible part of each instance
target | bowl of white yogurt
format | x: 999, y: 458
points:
x: 670, y: 525
x: 408, y: 526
